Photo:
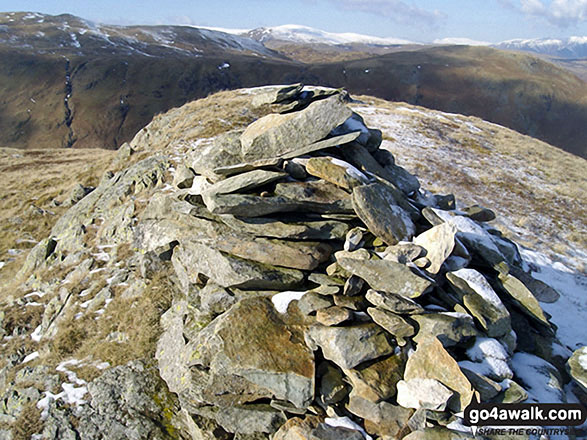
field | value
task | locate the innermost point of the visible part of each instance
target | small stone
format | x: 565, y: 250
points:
x: 526, y: 301
x: 357, y: 303
x: 184, y: 177
x: 479, y: 213
x: 487, y: 388
x: 327, y: 432
x: 423, y: 393
x: 439, y: 242
x: 386, y: 276
x: 354, y: 239
x: 393, y: 302
x: 275, y: 135
x: 512, y: 393
x: 381, y: 419
x: 250, y: 419
x: 394, y: 324
x: 333, y: 315
x: 312, y: 302
x: 347, y: 347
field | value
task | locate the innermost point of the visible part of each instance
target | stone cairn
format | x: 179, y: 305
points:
x: 325, y: 295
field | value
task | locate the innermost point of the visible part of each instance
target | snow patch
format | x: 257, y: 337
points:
x: 345, y: 422
x: 34, y: 355
x: 281, y: 300
x: 480, y: 285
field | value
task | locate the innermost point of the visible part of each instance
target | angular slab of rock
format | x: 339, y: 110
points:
x: 432, y: 361
x: 247, y: 166
x: 377, y: 208
x: 333, y: 315
x: 472, y: 234
x: 347, y: 347
x: 387, y: 276
x: 176, y: 226
x: 377, y: 381
x: 524, y: 298
x: 423, y: 393
x: 324, y: 196
x: 392, y: 302
x: 252, y: 341
x: 250, y: 419
x: 224, y: 151
x: 394, y: 324
x: 577, y: 367
x: 244, y: 205
x: 482, y: 301
x: 336, y: 171
x: 277, y: 94
x: 439, y: 242
x: 276, y: 134
x: 301, y: 230
x: 190, y: 259
x: 451, y: 328
x: 244, y: 182
x: 486, y: 387
x: 321, y: 145
x: 359, y: 156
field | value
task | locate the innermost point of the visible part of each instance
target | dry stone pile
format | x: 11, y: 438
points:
x: 325, y: 295
x: 319, y: 292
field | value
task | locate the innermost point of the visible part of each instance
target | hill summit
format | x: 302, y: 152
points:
x: 285, y: 279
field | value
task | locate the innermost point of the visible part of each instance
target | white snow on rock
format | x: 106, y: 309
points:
x: 480, y: 285
x: 345, y: 422
x: 490, y: 358
x: 34, y: 355
x: 36, y: 334
x: 350, y: 170
x: 281, y: 300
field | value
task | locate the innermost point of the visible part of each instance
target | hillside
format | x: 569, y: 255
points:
x: 67, y: 82
x: 211, y: 280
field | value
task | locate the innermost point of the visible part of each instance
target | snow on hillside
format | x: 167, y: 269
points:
x: 572, y: 47
x: 455, y: 41
x: 304, y: 34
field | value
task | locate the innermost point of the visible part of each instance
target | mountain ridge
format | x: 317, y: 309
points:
x: 104, y: 69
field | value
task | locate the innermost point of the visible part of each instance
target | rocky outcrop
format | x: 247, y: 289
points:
x: 317, y: 293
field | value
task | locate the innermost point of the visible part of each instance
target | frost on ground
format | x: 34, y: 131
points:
x: 539, y: 204
x: 569, y: 313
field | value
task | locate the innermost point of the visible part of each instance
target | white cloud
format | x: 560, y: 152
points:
x: 562, y: 13
x: 396, y: 10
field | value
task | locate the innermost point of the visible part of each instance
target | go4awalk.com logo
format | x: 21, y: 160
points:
x: 524, y: 419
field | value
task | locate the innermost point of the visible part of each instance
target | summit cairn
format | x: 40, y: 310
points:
x: 318, y: 291
x: 320, y: 284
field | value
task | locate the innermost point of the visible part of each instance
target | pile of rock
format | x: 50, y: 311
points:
x: 325, y: 296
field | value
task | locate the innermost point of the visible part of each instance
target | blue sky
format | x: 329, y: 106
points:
x: 418, y: 20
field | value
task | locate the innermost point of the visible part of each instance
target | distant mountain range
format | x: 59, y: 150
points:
x: 572, y: 47
x: 69, y: 82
